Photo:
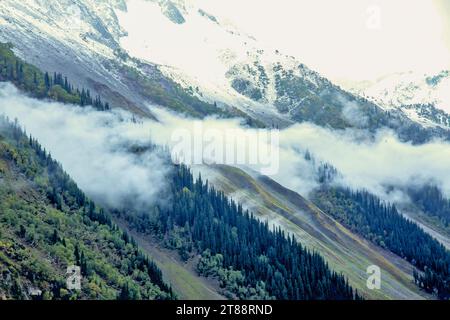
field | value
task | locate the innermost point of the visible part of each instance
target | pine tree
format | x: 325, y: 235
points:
x: 55, y: 237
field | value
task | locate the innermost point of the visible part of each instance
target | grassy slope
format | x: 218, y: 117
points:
x: 344, y: 251
x: 431, y: 224
x: 182, y: 276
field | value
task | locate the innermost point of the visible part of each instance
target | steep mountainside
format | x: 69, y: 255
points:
x: 47, y: 224
x: 47, y: 216
x: 238, y: 235
x: 202, y: 65
x: 382, y: 224
x: 344, y: 250
x: 80, y: 38
x: 422, y: 98
x: 409, y: 88
x: 248, y: 258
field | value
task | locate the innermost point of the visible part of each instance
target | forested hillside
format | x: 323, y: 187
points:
x: 430, y: 199
x: 58, y: 87
x: 48, y: 224
x: 42, y: 85
x: 251, y: 260
x: 200, y: 222
x: 384, y: 225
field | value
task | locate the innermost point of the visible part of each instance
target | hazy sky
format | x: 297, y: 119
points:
x: 349, y: 39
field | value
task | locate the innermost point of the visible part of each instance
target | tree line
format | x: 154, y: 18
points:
x: 430, y: 200
x: 381, y: 223
x: 44, y: 85
x: 201, y: 219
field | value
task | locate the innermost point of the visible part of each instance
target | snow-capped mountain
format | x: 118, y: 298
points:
x: 78, y: 38
x: 218, y: 62
x: 221, y: 64
x: 424, y: 98
x: 83, y: 38
x: 180, y: 55
x: 411, y: 88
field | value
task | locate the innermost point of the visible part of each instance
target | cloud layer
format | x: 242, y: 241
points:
x: 94, y: 148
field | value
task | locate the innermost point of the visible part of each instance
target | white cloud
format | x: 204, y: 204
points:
x: 371, y: 163
x: 93, y: 148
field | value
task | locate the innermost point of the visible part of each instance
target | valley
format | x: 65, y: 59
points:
x: 92, y: 94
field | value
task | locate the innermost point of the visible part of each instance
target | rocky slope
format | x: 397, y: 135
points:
x: 202, y: 65
x: 423, y: 98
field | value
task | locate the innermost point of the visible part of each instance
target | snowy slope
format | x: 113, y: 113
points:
x: 203, y: 51
x: 123, y: 48
x: 207, y: 55
x: 424, y: 98
x: 76, y: 37
x: 82, y: 38
x: 199, y: 53
x: 88, y: 27
x: 411, y: 88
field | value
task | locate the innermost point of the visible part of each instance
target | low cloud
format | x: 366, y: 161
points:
x: 373, y: 163
x: 94, y: 147
x: 352, y: 112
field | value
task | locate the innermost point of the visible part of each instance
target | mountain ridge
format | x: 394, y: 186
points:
x: 246, y: 79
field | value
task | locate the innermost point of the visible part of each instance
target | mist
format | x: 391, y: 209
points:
x: 94, y: 148
x: 371, y: 163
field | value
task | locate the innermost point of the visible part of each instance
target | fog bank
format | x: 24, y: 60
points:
x: 94, y: 148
